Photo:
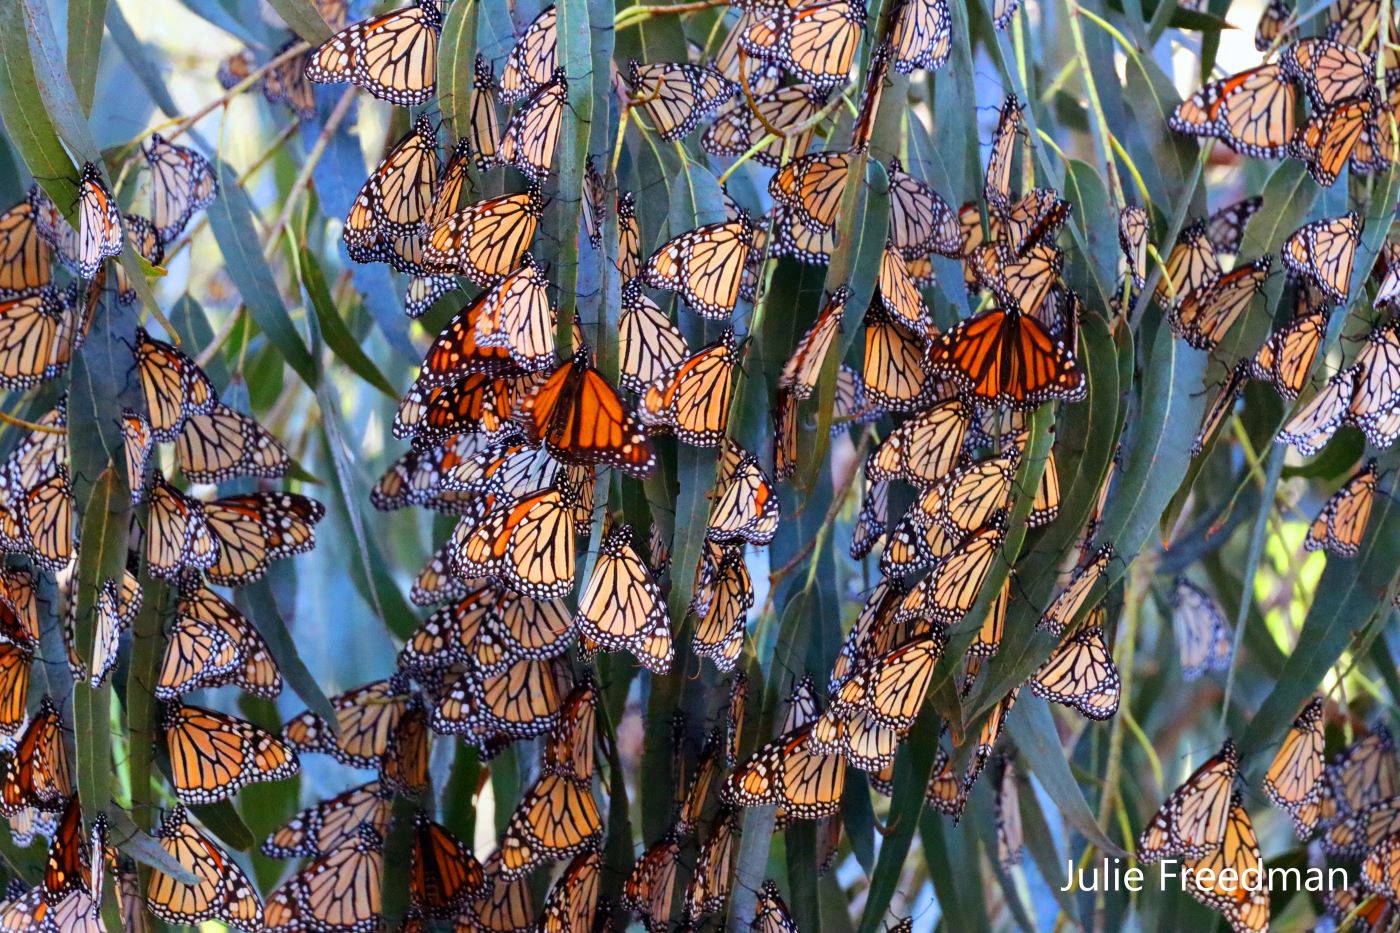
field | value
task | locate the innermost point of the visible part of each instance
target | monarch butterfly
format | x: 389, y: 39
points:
x: 1062, y: 612
x: 555, y: 818
x: 522, y: 701
x: 221, y: 443
x: 898, y: 294
x: 173, y: 386
x: 397, y: 196
x: 734, y: 712
x: 648, y: 343
x: 99, y: 222
x: 1293, y: 780
x: 812, y: 186
x: 515, y: 316
x: 704, y: 265
x: 986, y: 741
x: 802, y: 369
x: 1022, y: 282
x: 393, y: 56
x: 443, y: 873
x: 1352, y: 835
x: 946, y: 512
x: 676, y: 97
x: 1008, y: 817
x: 1324, y: 251
x: 404, y: 767
x: 1225, y: 228
x: 1341, y: 525
x: 456, y: 352
x: 569, y: 749
x: 692, y: 398
x: 1251, y: 112
x: 921, y: 35
x: 772, y: 914
x: 508, y: 906
x: 486, y: 240
x: 517, y: 627
x: 255, y: 529
x: 214, y: 755
x: 115, y: 606
x: 722, y: 609
x: 622, y: 608
x: 1191, y: 264
x: 1227, y: 878
x: 436, y: 582
x: 366, y: 718
x: 324, y: 827
x: 1204, y: 314
x: 709, y: 885
x: 141, y: 235
x: 1033, y: 220
x: 1203, y: 638
x: 1330, y: 139
x: 1313, y: 425
x: 1329, y: 71
x: 1287, y: 356
x: 921, y: 222
x: 794, y: 236
x: 220, y: 891
x: 890, y: 688
x: 338, y: 892
x: 533, y: 58
x: 649, y: 888
x: 739, y: 125
x: 1192, y: 822
x: 211, y: 644
x: 1377, y: 389
x: 39, y: 333
x: 1005, y: 357
x: 16, y: 660
x: 747, y: 507
x: 581, y: 419
x: 1221, y: 407
x: 26, y: 259
x: 922, y: 450
x: 573, y: 901
x: 507, y: 466
x: 532, y: 132
x: 288, y: 83
x: 816, y: 42
x: 182, y: 184
x: 893, y: 367
x: 37, y: 775
x: 1275, y: 22
x: 473, y: 404
x: 950, y: 589
x: 1081, y: 674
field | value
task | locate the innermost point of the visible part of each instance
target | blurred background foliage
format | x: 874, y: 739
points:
x: 1233, y: 519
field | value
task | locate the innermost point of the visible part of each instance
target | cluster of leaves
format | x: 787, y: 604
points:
x: 1208, y: 568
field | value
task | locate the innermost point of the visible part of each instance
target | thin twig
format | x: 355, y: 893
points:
x: 303, y: 179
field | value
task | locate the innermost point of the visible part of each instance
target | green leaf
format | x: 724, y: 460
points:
x: 135, y: 842
x: 334, y: 330
x: 105, y: 521
x: 1356, y: 592
x: 257, y: 602
x: 223, y: 821
x: 304, y: 19
x: 1033, y: 728
x: 85, y: 47
x: 456, y: 63
x: 27, y: 121
x: 56, y: 87
x: 231, y: 219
